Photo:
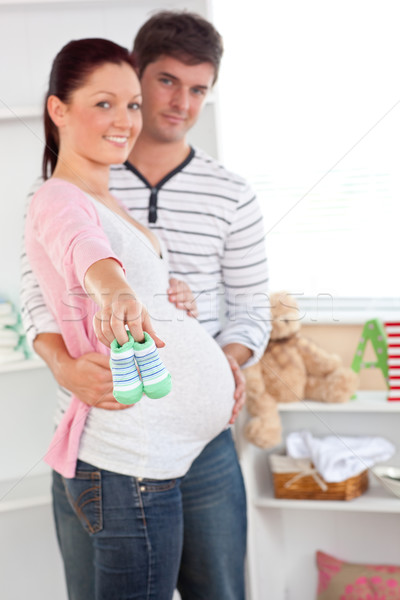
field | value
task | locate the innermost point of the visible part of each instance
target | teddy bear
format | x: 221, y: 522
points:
x: 292, y: 368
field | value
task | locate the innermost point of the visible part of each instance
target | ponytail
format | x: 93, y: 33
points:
x: 50, y: 153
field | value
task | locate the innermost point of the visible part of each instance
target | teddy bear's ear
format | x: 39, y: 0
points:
x: 282, y: 302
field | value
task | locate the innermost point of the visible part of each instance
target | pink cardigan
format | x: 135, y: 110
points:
x: 64, y: 238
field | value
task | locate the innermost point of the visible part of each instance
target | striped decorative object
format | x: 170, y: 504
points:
x: 393, y: 343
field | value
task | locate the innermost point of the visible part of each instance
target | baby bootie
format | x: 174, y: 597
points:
x: 128, y: 387
x: 155, y: 377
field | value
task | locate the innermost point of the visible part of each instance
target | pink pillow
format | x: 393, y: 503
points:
x: 339, y: 580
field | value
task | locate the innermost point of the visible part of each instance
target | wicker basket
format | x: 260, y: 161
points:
x: 298, y: 480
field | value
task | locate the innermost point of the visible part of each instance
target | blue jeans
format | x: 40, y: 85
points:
x: 215, y: 525
x: 214, y: 542
x: 136, y: 529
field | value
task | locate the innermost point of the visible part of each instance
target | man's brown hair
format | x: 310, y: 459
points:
x: 186, y: 36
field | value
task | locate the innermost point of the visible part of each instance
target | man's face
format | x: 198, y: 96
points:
x: 173, y: 96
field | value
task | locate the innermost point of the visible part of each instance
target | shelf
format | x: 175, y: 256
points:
x: 366, y: 401
x: 376, y: 499
x: 25, y: 492
x: 13, y: 3
x: 22, y: 365
x: 15, y: 113
x: 324, y: 310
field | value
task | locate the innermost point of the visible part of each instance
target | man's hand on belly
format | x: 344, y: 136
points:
x: 240, y: 383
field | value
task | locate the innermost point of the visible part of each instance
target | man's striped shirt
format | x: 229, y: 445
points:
x: 211, y: 223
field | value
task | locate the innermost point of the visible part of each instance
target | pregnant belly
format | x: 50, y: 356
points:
x: 160, y: 438
x: 201, y: 401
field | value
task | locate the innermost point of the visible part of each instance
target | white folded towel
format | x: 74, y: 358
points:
x: 13, y: 356
x: 337, y: 458
x: 8, y: 338
x: 7, y: 320
x: 6, y: 307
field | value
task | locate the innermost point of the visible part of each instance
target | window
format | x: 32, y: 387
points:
x: 310, y: 113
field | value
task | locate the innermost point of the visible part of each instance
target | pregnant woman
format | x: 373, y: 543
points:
x: 100, y: 273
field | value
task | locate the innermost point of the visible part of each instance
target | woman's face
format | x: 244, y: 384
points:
x: 103, y: 119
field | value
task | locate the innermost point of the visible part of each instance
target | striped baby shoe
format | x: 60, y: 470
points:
x: 128, y: 387
x: 155, y: 377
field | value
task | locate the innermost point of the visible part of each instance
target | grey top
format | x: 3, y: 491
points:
x: 160, y: 438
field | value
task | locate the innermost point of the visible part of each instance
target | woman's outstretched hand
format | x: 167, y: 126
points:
x: 119, y: 307
x: 125, y: 310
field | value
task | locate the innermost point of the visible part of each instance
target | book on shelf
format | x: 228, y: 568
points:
x: 13, y: 343
x: 6, y: 307
x: 9, y: 320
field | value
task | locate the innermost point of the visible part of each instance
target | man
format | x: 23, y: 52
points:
x: 211, y: 224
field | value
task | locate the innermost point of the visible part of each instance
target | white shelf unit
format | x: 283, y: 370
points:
x: 364, y: 401
x: 28, y: 489
x: 26, y: 426
x: 26, y: 523
x: 376, y: 499
x: 285, y: 534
